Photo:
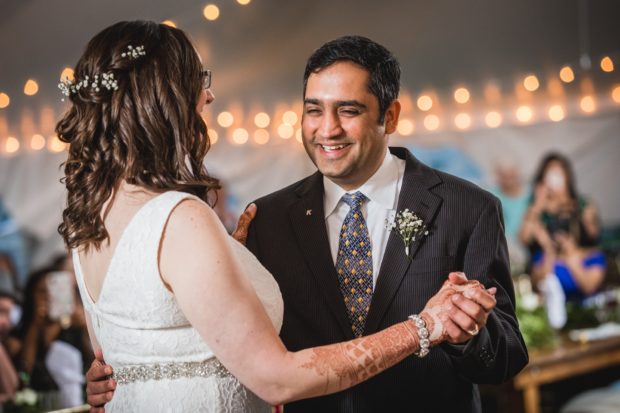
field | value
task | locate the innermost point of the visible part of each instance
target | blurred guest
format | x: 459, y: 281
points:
x: 8, y: 302
x: 515, y: 199
x: 48, y: 345
x: 8, y: 376
x: 63, y: 262
x: 13, y: 244
x: 562, y: 230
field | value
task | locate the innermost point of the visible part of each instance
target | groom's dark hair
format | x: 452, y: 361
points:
x: 381, y: 64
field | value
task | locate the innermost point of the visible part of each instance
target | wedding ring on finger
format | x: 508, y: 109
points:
x: 475, y: 331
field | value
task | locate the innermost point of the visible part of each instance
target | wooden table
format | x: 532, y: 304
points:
x: 567, y: 360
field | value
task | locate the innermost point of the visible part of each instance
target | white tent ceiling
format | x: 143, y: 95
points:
x: 258, y: 51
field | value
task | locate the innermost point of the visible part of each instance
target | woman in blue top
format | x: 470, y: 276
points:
x: 562, y: 230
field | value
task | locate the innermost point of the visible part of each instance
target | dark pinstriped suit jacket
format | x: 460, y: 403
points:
x: 466, y: 233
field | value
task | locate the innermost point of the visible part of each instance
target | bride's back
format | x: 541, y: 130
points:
x: 120, y: 210
x: 135, y: 317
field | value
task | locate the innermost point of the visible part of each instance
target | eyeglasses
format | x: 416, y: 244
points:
x: 206, y: 79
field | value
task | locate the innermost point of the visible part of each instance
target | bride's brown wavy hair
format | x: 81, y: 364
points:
x: 147, y: 132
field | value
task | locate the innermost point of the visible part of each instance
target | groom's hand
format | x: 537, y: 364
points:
x: 99, y: 387
x: 468, y: 311
x: 241, y: 232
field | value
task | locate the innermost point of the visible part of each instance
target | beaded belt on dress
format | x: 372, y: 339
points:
x: 143, y: 372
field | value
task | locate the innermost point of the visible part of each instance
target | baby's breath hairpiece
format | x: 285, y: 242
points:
x: 68, y: 87
x: 134, y: 53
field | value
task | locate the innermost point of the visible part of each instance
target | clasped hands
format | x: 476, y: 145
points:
x: 459, y: 310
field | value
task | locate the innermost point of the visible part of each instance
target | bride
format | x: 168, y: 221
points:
x: 185, y: 315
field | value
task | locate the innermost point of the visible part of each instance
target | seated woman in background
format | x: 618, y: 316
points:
x: 50, y: 343
x: 562, y: 230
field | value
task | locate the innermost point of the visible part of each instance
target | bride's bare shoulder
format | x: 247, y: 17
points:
x: 192, y: 218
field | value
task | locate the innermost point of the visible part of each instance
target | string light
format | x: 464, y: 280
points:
x: 285, y: 131
x: 566, y: 74
x: 531, y: 83
x: 462, y: 121
x: 607, y: 65
x: 213, y: 136
x: 5, y: 100
x: 261, y: 136
x: 524, y: 114
x: 11, y: 145
x: 493, y: 119
x: 425, y: 103
x: 54, y: 144
x: 431, y: 122
x: 67, y: 73
x: 225, y: 119
x: 240, y: 136
x: 261, y: 120
x: 587, y: 104
x: 31, y: 87
x: 405, y: 127
x: 615, y: 94
x: 37, y: 142
x: 243, y: 2
x: 169, y: 23
x: 211, y: 12
x: 289, y: 117
x: 556, y: 113
x: 461, y: 95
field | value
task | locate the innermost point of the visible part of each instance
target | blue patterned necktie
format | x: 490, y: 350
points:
x: 354, y: 263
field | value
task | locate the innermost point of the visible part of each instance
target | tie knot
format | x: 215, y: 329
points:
x: 354, y: 201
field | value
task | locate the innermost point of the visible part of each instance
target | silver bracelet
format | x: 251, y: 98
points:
x: 425, y: 343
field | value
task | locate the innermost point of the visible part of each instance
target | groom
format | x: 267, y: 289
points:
x: 335, y: 292
x: 351, y: 87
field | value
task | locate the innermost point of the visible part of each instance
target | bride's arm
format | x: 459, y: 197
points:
x: 198, y: 264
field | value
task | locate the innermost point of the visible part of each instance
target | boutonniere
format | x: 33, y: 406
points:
x: 409, y: 226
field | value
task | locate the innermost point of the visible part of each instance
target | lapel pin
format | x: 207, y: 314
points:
x: 308, y: 212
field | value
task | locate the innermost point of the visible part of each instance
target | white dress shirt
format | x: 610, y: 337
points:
x: 382, y: 191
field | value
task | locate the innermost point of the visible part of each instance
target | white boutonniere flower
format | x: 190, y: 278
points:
x: 409, y: 226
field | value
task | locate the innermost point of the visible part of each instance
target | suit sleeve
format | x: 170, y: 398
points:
x: 498, y: 353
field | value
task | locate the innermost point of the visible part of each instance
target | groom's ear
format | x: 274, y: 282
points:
x: 391, y: 117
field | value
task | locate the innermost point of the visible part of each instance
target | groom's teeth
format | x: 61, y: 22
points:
x: 332, y: 148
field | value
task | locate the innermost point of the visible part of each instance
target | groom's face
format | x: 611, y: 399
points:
x: 340, y: 124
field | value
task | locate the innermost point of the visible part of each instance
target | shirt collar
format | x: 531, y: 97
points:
x: 382, y: 187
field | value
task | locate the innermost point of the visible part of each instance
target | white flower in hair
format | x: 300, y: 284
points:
x: 132, y: 53
x: 70, y: 87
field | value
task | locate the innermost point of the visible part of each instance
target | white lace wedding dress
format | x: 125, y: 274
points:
x: 160, y: 362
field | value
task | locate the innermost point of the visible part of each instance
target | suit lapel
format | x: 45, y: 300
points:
x: 416, y: 196
x: 308, y: 221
